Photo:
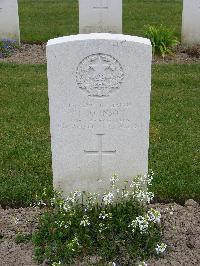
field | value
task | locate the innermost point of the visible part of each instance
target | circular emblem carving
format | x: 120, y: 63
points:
x: 99, y: 75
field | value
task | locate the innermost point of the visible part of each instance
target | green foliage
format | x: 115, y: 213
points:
x: 162, y: 40
x: 112, y: 227
x: 22, y: 238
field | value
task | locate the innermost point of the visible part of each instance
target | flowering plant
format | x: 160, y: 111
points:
x: 116, y: 224
x: 7, y: 47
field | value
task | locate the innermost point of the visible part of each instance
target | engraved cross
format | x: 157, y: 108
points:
x: 100, y: 152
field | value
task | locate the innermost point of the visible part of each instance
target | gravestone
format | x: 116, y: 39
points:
x: 9, y: 20
x: 100, y: 16
x: 191, y: 22
x: 99, y: 100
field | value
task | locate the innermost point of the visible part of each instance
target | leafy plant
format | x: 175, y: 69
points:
x: 113, y: 226
x: 7, y: 47
x: 162, y: 39
x: 22, y: 238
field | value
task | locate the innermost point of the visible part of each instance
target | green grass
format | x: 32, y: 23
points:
x: 24, y: 134
x: 46, y: 19
x: 175, y: 120
x: 25, y: 157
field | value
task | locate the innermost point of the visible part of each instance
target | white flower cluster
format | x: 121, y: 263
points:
x: 143, y: 222
x: 160, y: 248
x: 142, y: 263
x: 142, y: 181
x: 60, y: 223
x: 73, y: 197
x: 85, y: 221
x: 154, y: 216
x: 108, y: 198
x: 103, y: 215
x: 137, y: 190
x: 91, y: 198
x: 125, y: 194
x: 102, y: 227
x: 56, y: 263
x: 133, y: 225
x: 113, y: 180
x: 143, y: 196
x: 73, y: 244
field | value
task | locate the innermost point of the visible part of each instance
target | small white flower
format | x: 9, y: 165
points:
x: 73, y: 244
x: 66, y: 207
x: 102, y: 227
x: 160, y: 248
x: 77, y: 194
x: 16, y: 220
x: 154, y: 216
x: 56, y: 263
x: 114, y: 179
x: 133, y: 225
x: 85, y: 221
x: 142, y: 263
x: 108, y: 198
x: 142, y: 223
x: 125, y: 194
x: 103, y: 215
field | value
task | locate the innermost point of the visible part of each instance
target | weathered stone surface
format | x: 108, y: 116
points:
x: 191, y: 22
x: 9, y: 20
x: 99, y: 98
x: 100, y: 16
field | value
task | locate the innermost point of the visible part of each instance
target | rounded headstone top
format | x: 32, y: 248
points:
x: 99, y: 36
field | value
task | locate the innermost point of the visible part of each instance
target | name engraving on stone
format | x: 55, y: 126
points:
x: 101, y: 116
x: 100, y: 152
x: 99, y: 75
x: 101, y: 4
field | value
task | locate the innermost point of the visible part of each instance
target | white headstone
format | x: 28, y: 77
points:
x: 191, y: 22
x: 9, y: 20
x: 99, y: 99
x: 100, y: 16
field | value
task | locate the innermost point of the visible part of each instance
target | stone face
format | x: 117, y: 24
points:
x: 9, y: 20
x: 191, y: 22
x: 99, y: 100
x: 100, y: 16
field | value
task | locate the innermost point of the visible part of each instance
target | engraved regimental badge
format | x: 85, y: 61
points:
x: 99, y: 75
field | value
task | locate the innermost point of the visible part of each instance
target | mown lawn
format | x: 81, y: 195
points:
x: 25, y: 157
x: 46, y: 19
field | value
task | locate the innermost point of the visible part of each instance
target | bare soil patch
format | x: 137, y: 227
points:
x: 181, y: 234
x: 36, y: 54
x: 28, y: 54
